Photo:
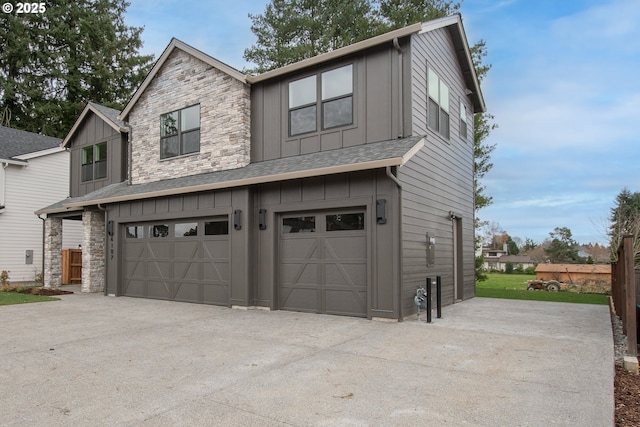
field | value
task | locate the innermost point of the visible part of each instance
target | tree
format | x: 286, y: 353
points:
x: 625, y: 220
x: 52, y: 63
x: 529, y: 244
x: 293, y: 30
x: 400, y: 13
x: 512, y: 246
x: 563, y: 249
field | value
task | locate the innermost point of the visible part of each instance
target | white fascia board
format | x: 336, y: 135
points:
x: 35, y: 154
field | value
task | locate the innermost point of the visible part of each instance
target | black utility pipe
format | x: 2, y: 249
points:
x: 428, y: 299
x: 439, y: 297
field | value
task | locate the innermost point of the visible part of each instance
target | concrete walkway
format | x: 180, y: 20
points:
x: 91, y: 360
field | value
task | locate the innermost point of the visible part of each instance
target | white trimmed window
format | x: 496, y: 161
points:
x: 463, y: 121
x: 438, y: 108
x: 180, y: 132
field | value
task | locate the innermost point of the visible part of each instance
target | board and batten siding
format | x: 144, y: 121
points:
x: 43, y: 182
x: 94, y: 130
x: 438, y: 179
x: 376, y: 109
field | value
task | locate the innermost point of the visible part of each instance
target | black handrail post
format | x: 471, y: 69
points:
x: 439, y: 297
x: 428, y: 299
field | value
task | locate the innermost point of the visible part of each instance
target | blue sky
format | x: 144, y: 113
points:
x: 562, y: 87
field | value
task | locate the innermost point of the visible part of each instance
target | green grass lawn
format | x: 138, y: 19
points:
x: 514, y: 286
x: 8, y: 298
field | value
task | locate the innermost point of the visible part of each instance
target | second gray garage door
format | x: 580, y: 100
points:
x: 185, y: 260
x: 323, y: 264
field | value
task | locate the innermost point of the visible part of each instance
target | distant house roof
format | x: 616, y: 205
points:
x: 108, y: 115
x: 395, y: 152
x: 516, y: 259
x: 574, y: 268
x: 15, y: 143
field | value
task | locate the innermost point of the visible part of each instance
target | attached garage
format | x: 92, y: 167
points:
x: 323, y: 262
x: 186, y: 260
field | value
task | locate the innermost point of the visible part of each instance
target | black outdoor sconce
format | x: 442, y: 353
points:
x: 381, y: 211
x: 262, y: 219
x: 110, y: 228
x: 236, y: 219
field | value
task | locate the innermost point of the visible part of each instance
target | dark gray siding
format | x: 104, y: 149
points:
x: 437, y: 180
x: 341, y: 191
x: 206, y: 204
x: 94, y: 130
x: 376, y: 112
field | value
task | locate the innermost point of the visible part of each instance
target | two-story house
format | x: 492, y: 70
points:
x: 34, y: 170
x: 333, y: 185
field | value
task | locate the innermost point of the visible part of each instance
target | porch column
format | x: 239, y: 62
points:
x: 52, y: 252
x: 93, y: 251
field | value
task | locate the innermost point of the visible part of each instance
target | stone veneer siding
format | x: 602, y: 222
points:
x: 52, y: 252
x: 93, y: 251
x: 224, y: 102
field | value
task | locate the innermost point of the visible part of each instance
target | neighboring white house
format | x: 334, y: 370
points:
x: 497, y: 259
x: 34, y: 169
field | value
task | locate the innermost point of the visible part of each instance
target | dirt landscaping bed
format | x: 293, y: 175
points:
x: 627, y: 398
x: 34, y: 290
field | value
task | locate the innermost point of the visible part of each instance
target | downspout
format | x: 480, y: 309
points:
x: 396, y: 44
x: 129, y: 154
x: 43, y: 240
x: 393, y: 178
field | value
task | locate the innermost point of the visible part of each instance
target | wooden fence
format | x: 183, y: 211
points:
x: 624, y: 294
x: 71, y: 266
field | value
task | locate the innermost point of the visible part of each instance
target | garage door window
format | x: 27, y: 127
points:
x: 343, y: 222
x: 160, y: 230
x: 216, y: 228
x: 135, y: 232
x: 301, y: 224
x: 187, y: 229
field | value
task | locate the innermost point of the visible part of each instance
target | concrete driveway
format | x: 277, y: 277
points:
x: 91, y: 360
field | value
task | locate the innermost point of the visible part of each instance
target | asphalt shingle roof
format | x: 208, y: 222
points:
x: 14, y: 142
x: 360, y: 157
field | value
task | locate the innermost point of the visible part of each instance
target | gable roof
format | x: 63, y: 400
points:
x: 395, y: 152
x: 108, y: 115
x: 15, y: 143
x: 453, y: 23
x: 177, y: 44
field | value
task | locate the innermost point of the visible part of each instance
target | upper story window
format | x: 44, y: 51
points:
x: 94, y: 162
x: 335, y: 93
x: 438, y: 109
x: 463, y: 121
x: 180, y: 132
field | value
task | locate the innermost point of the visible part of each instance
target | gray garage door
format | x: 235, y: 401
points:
x: 185, y: 260
x: 323, y: 262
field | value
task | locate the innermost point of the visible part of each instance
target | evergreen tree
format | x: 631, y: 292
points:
x: 293, y: 30
x: 563, y: 249
x: 624, y: 221
x: 53, y: 63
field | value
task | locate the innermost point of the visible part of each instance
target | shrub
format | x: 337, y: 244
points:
x: 508, y: 269
x: 4, y: 278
